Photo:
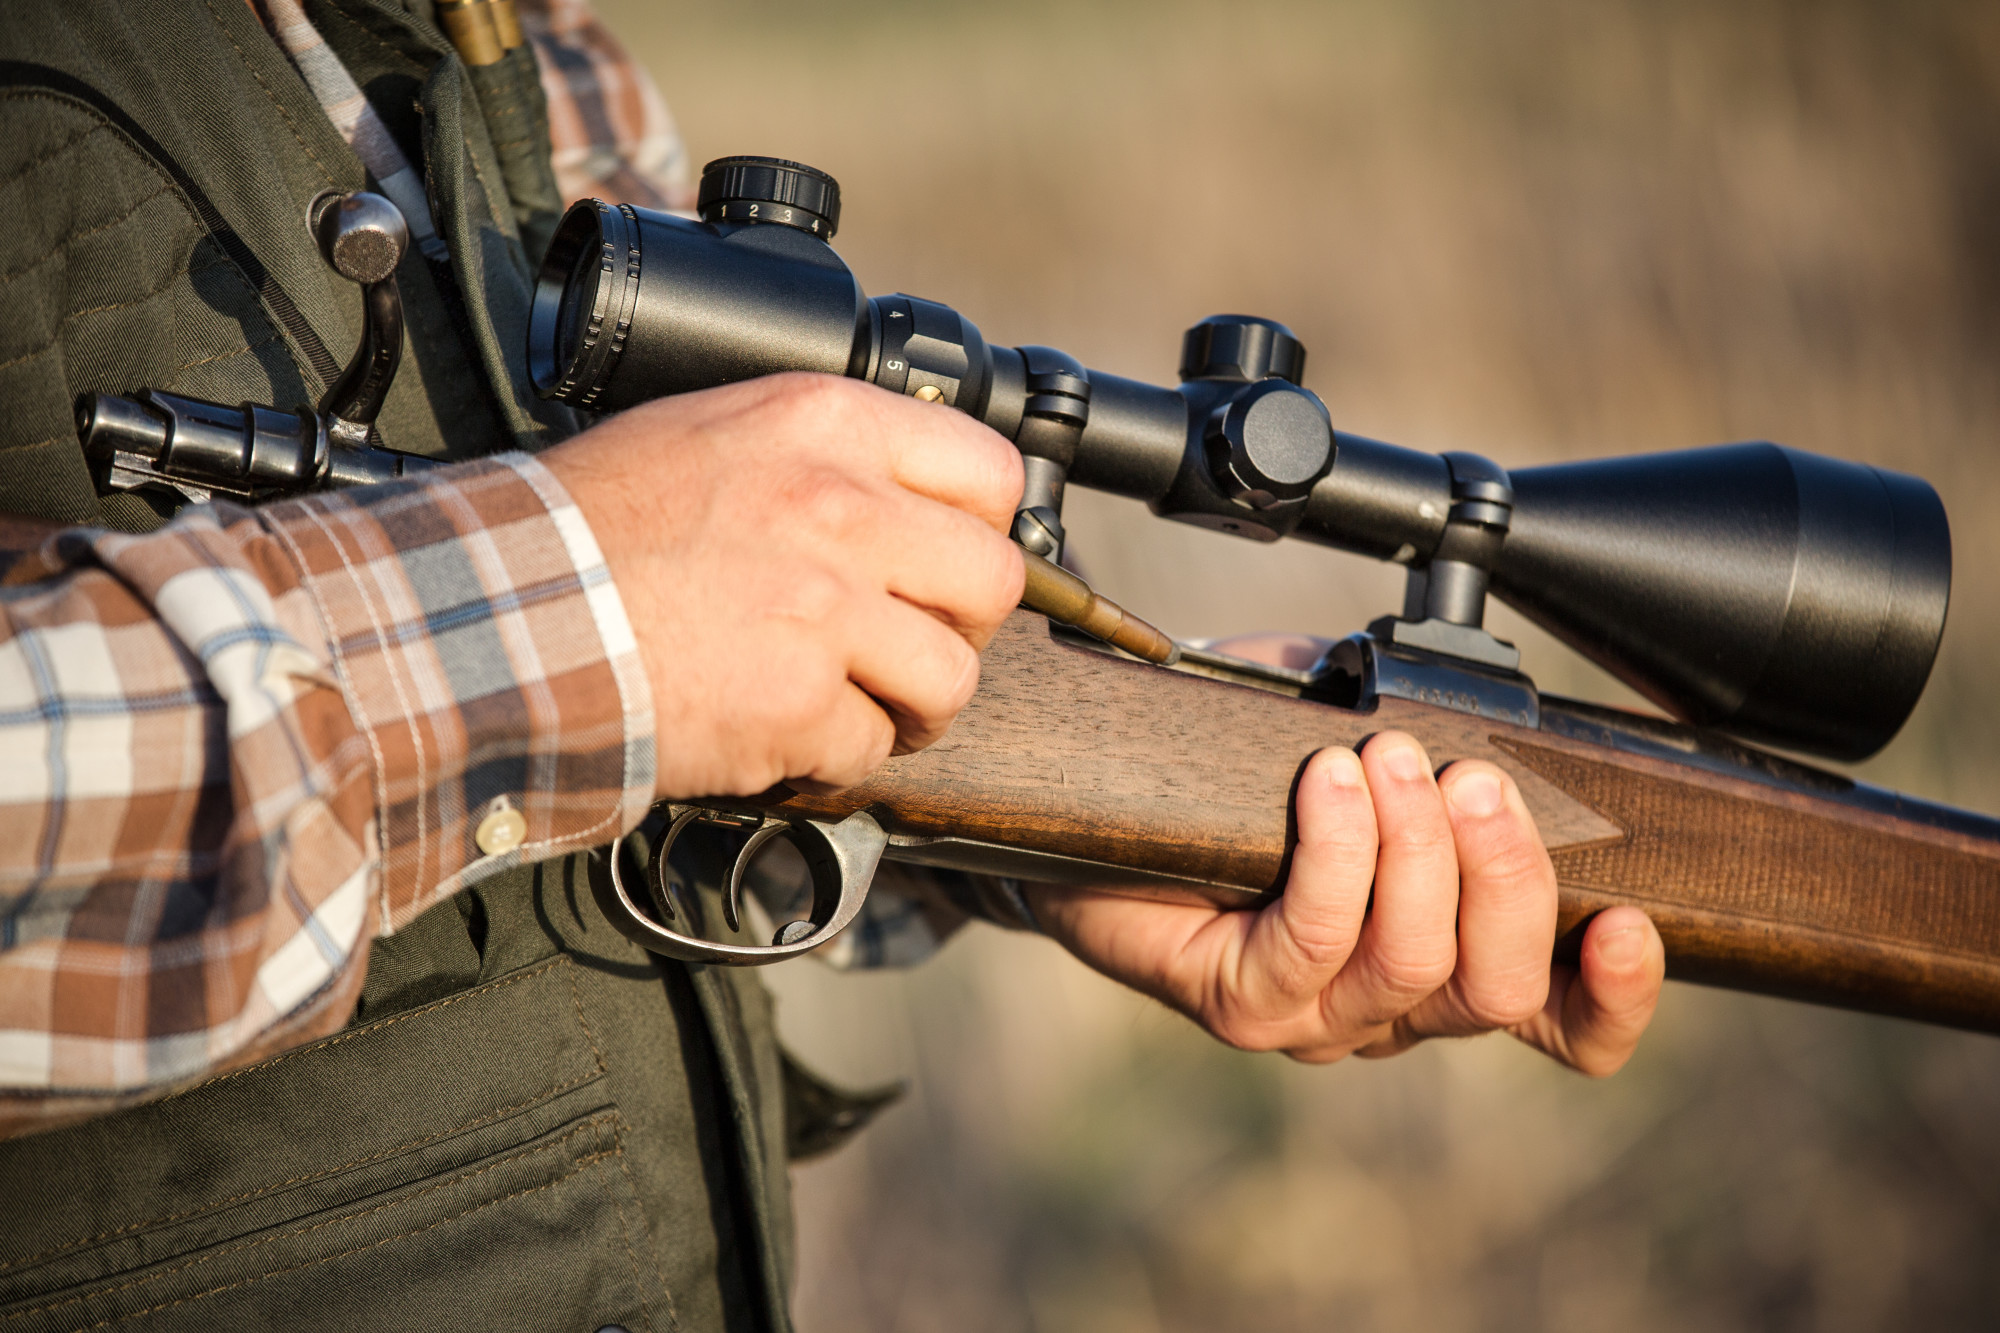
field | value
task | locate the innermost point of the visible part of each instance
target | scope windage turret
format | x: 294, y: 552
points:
x: 1785, y: 597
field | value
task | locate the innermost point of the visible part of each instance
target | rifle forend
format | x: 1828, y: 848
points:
x: 1074, y: 764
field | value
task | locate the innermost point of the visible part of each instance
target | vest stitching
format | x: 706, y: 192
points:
x: 576, y: 998
x: 558, y: 961
x: 245, y: 349
x: 68, y: 145
x: 185, y: 270
x: 53, y: 85
x: 319, y: 1174
x: 493, y: 198
x: 290, y: 124
x: 580, y: 1164
x: 416, y: 67
x: 23, y: 448
x: 625, y: 1233
x: 67, y: 241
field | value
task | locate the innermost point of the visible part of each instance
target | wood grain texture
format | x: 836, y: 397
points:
x: 1077, y: 753
x: 1763, y: 889
x: 1073, y: 753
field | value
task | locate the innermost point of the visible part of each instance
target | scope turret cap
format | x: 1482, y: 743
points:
x: 1269, y: 444
x: 769, y: 189
x: 1241, y: 347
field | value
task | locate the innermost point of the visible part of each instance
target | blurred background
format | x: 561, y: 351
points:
x: 1539, y: 231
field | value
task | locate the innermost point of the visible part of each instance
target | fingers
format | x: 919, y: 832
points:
x: 1297, y: 945
x: 1253, y: 979
x: 854, y: 735
x: 917, y: 670
x: 1455, y: 938
x: 977, y: 471
x: 932, y: 450
x: 925, y: 520
x: 1506, y: 910
x: 1409, y: 946
x: 1597, y: 1011
x: 950, y: 564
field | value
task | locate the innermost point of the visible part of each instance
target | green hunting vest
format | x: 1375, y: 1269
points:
x: 530, y: 1122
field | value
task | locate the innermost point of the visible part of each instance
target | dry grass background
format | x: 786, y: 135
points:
x: 1538, y: 230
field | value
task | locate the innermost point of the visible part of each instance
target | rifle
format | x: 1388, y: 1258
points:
x: 1755, y: 593
x: 1751, y: 591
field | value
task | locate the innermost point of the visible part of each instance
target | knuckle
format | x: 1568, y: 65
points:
x: 1349, y: 839
x: 1598, y: 1063
x: 1507, y: 1003
x: 803, y: 710
x: 959, y: 679
x: 1006, y: 471
x: 1412, y: 824
x: 812, y: 410
x: 1005, y: 575
x: 1318, y: 948
x: 1411, y: 973
x: 803, y: 391
x: 987, y: 576
x: 1318, y: 1055
x: 850, y: 763
x: 811, y: 596
x: 1512, y: 854
x: 1233, y: 1030
x: 827, y: 502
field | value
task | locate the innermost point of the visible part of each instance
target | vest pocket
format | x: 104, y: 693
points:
x: 456, y: 1166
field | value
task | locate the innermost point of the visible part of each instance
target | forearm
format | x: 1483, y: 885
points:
x: 237, y: 749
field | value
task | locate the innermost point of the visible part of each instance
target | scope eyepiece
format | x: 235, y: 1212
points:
x: 632, y: 305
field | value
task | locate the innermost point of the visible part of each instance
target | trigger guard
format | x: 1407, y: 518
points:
x: 841, y: 858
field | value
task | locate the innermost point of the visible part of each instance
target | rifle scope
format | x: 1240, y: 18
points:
x: 1764, y: 591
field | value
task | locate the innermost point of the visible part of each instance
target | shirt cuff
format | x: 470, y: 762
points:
x: 485, y: 654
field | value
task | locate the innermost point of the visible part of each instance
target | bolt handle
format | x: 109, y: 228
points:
x: 363, y: 236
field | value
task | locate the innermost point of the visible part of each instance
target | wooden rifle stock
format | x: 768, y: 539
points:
x: 1762, y: 875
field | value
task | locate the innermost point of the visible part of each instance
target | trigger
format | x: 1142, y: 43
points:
x: 732, y: 900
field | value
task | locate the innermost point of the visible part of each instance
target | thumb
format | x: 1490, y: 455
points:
x: 1597, y: 1011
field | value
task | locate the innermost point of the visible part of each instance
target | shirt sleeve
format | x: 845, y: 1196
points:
x: 235, y: 750
x: 610, y: 131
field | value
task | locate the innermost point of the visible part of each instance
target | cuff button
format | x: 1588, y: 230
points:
x: 503, y: 829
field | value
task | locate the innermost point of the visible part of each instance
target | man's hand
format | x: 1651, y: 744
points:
x: 810, y: 566
x: 1417, y: 907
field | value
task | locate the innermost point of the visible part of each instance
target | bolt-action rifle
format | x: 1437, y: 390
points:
x: 1757, y: 594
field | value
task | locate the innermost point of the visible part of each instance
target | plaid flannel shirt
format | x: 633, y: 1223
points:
x: 611, y: 132
x: 240, y: 747
x: 234, y: 751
